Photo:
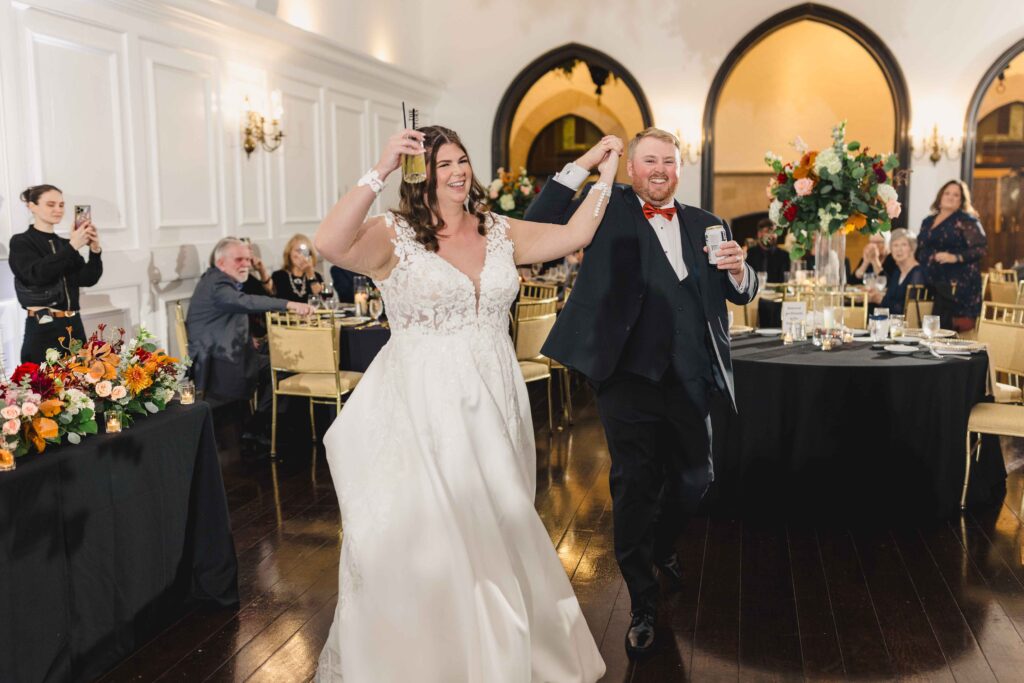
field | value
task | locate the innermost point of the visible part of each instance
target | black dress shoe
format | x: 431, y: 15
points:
x: 640, y: 636
x: 671, y: 570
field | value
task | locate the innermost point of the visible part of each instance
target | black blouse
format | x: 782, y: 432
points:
x: 287, y: 286
x: 40, y: 259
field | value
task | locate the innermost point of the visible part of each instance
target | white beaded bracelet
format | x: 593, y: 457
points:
x: 372, y: 180
x: 605, y: 192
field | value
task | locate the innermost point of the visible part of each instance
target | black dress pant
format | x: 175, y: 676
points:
x: 41, y: 336
x: 659, y: 436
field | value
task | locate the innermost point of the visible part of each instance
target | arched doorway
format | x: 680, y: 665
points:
x: 571, y: 81
x: 993, y: 160
x: 769, y: 84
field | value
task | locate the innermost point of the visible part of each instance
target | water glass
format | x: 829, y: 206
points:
x: 930, y: 326
x: 376, y: 308
x: 880, y: 281
x: 878, y: 325
x: 869, y: 280
x: 797, y: 330
x: 817, y: 335
x: 762, y: 280
x: 897, y: 326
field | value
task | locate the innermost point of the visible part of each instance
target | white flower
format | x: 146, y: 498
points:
x: 828, y: 213
x: 775, y: 211
x: 828, y: 159
x: 75, y: 401
x: 495, y: 185
x: 800, y: 145
x: 103, y: 388
x: 886, y: 192
x: 771, y: 157
x: 507, y: 202
x: 52, y: 356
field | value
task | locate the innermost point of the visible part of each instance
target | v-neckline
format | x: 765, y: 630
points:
x: 477, y: 284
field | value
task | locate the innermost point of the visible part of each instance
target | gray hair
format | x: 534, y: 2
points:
x: 222, y: 246
x: 903, y: 234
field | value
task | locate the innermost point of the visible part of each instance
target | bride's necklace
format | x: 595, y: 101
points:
x: 298, y: 285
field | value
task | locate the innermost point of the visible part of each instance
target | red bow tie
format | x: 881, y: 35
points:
x: 668, y: 212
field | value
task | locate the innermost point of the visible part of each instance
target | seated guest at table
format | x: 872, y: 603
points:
x: 298, y: 279
x: 225, y: 361
x: 908, y: 272
x: 766, y: 256
x: 260, y: 284
x: 874, y: 259
x: 344, y: 283
x: 48, y: 272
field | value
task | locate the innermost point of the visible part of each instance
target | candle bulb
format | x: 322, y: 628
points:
x: 113, y: 420
x: 787, y: 338
x: 361, y: 300
x: 188, y: 393
x: 827, y: 343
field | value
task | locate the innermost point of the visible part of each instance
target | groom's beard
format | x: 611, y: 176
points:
x: 656, y: 194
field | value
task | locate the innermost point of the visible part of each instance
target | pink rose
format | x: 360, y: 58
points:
x: 11, y: 427
x: 493, y: 193
x: 103, y: 388
x: 29, y: 409
x: 118, y: 392
x: 803, y: 187
x: 893, y: 208
x: 10, y: 412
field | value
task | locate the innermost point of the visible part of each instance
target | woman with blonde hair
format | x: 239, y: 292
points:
x: 950, y: 246
x: 298, y: 279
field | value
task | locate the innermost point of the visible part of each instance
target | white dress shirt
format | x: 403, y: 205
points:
x: 668, y: 231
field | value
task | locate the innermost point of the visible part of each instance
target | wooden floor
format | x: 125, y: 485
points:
x: 766, y: 600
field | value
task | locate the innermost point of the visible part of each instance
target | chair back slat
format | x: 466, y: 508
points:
x: 536, y: 290
x: 1001, y: 328
x: 180, y: 329
x: 300, y: 344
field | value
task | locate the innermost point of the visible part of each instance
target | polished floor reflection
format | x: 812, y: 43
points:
x: 767, y: 599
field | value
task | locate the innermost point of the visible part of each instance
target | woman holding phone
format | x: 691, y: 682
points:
x: 298, y: 279
x: 48, y: 272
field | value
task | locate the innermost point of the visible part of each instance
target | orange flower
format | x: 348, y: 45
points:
x: 856, y: 222
x: 45, y: 427
x: 99, y: 362
x: 137, y: 379
x: 6, y: 458
x: 51, y: 407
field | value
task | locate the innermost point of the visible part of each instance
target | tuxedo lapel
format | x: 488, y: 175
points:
x: 642, y: 227
x: 693, y: 248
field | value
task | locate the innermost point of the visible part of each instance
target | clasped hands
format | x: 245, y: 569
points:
x: 82, y: 234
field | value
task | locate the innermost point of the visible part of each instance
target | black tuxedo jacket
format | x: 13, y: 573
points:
x: 610, y: 287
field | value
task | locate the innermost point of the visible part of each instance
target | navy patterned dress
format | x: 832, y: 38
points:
x: 961, y: 235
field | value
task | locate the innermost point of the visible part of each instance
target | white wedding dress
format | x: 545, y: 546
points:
x: 447, y: 574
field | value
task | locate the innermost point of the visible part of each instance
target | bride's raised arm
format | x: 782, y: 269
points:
x: 539, y: 242
x: 345, y: 237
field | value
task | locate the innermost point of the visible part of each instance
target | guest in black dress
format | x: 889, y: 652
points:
x: 344, y: 283
x: 298, y: 279
x: 950, y: 247
x: 48, y: 271
x: 874, y: 259
x: 908, y: 272
x: 765, y: 256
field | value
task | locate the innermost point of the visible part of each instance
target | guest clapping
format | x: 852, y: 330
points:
x: 907, y: 272
x: 298, y: 279
x: 951, y: 245
x: 875, y: 259
x: 48, y: 272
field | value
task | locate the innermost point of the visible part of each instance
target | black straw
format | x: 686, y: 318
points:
x: 405, y: 122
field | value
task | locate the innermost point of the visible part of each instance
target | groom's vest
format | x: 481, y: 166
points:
x: 670, y: 334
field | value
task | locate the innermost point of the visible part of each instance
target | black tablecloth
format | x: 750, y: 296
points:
x: 103, y: 543
x: 360, y: 345
x: 851, y: 430
x: 769, y: 313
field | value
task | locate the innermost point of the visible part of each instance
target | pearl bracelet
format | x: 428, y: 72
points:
x: 372, y: 180
x: 605, y: 192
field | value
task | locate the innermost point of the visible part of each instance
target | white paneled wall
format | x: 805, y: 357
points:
x: 134, y: 107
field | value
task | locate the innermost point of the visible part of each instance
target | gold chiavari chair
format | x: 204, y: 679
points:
x: 180, y: 329
x: 1002, y: 292
x: 532, y: 323
x: 855, y: 309
x: 1001, y: 329
x: 918, y: 303
x: 308, y: 347
x: 537, y: 290
x: 990, y: 418
x: 1020, y: 293
x: 1003, y: 275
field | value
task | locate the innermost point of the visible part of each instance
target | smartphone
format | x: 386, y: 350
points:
x: 83, y: 214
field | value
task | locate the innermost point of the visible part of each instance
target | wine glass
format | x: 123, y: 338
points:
x: 327, y: 295
x: 376, y: 308
x: 930, y: 326
x: 880, y: 281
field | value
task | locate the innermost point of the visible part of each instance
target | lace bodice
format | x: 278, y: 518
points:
x: 425, y: 293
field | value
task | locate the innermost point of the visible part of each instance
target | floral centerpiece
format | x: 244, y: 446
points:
x: 834, y: 191
x: 510, y: 194
x: 60, y: 398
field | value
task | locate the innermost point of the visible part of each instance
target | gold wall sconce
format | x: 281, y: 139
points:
x: 257, y: 131
x: 688, y: 153
x: 935, y: 146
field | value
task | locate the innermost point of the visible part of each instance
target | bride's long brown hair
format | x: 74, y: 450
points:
x: 418, y: 204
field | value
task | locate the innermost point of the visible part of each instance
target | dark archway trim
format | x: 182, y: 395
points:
x: 502, y: 130
x: 864, y: 36
x: 971, y: 121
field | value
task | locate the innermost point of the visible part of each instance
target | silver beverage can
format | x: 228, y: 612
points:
x: 713, y: 237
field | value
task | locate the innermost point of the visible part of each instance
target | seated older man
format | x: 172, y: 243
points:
x: 226, y: 363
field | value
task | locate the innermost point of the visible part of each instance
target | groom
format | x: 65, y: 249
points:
x: 646, y: 324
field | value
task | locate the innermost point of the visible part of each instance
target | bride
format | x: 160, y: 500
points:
x: 447, y: 574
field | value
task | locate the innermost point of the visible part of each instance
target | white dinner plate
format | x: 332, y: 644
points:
x: 918, y: 332
x: 770, y: 331
x: 907, y: 340
x: 899, y: 349
x: 858, y: 332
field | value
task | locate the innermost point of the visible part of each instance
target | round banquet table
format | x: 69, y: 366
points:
x: 852, y: 431
x: 360, y: 345
x: 769, y: 312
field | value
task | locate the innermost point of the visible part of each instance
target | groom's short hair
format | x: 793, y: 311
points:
x: 652, y: 132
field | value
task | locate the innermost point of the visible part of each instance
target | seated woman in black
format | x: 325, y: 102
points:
x: 874, y: 259
x: 908, y: 272
x: 48, y: 270
x: 298, y: 279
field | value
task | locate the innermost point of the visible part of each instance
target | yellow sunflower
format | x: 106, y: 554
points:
x: 137, y: 379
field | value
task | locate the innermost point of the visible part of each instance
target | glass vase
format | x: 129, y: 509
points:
x: 830, y: 260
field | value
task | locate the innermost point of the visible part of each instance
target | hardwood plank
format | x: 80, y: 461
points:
x: 860, y: 637
x: 717, y: 631
x: 1007, y: 588
x: 821, y: 655
x: 296, y: 660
